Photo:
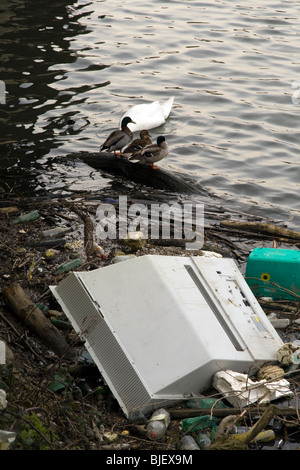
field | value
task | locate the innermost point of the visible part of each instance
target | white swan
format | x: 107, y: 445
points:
x: 150, y: 115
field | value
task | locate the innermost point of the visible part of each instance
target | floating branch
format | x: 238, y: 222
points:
x: 262, y: 227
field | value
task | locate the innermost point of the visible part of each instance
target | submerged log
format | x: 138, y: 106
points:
x: 139, y: 173
x: 19, y: 302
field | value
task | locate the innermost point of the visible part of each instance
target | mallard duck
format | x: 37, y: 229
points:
x: 119, y: 138
x: 138, y: 144
x: 149, y: 115
x: 152, y: 153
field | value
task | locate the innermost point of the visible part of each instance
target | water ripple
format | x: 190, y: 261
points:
x: 233, y: 70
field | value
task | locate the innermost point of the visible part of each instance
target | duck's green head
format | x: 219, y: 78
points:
x: 126, y: 120
x: 160, y: 139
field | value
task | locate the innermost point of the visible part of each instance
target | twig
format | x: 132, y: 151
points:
x: 226, y: 425
x: 275, y: 285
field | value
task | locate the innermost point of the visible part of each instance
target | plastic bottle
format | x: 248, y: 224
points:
x: 54, y: 232
x: 28, y: 217
x: 50, y: 242
x: 158, y: 424
x: 239, y: 429
x: 137, y: 417
x: 265, y: 436
x: 66, y: 267
x: 204, y: 440
x: 188, y: 443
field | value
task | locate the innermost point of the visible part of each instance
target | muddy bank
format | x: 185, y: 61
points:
x: 60, y: 401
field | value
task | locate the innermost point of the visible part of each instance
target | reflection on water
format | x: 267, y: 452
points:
x: 71, y: 69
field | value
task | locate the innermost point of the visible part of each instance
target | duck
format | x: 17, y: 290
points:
x: 149, y: 115
x: 152, y: 153
x: 119, y: 138
x: 138, y: 144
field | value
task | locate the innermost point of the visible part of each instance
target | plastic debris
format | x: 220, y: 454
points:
x: 6, y: 439
x: 204, y: 440
x: 66, y: 267
x: 43, y: 308
x: 279, y: 323
x: 262, y: 437
x: 57, y: 231
x: 99, y: 252
x: 28, y: 217
x: 205, y: 403
x: 51, y: 253
x: 137, y: 417
x: 55, y: 313
x: 2, y: 352
x: 51, y: 242
x: 58, y: 383
x: 265, y: 436
x: 30, y: 269
x: 3, y: 401
x: 158, y: 424
x: 75, y: 245
x: 188, y: 443
x: 199, y: 423
x: 274, y: 272
x: 122, y: 257
x: 110, y: 436
x: 210, y: 254
x: 135, y: 240
x: 240, y: 390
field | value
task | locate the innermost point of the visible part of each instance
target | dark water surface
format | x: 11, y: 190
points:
x: 71, y: 69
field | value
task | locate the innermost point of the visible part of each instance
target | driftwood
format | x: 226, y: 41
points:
x: 249, y: 436
x: 223, y: 412
x: 286, y: 308
x: 9, y: 210
x: 262, y: 228
x: 19, y: 302
x: 8, y: 142
x: 141, y: 174
x: 241, y: 441
x: 89, y: 244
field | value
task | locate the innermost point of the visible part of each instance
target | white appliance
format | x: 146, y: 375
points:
x: 159, y: 327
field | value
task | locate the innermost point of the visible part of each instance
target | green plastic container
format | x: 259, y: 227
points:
x: 275, y: 273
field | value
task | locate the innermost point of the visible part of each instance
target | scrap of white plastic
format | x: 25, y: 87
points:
x: 6, y: 439
x: 240, y: 391
x: 3, y: 401
x: 2, y: 352
x: 210, y: 254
